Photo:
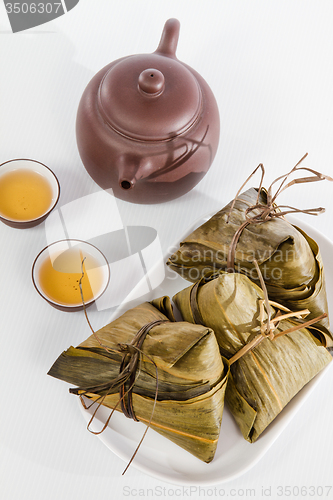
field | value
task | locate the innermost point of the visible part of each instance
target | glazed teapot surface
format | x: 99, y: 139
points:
x: 148, y: 125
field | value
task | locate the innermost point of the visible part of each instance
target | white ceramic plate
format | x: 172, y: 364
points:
x: 160, y: 458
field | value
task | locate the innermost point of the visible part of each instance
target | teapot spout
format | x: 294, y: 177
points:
x: 132, y: 169
x: 169, y: 38
x: 128, y: 167
x: 127, y: 184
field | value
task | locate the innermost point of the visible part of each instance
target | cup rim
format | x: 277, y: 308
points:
x: 69, y: 307
x: 41, y: 218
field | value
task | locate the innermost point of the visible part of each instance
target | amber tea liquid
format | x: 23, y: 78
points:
x: 60, y: 279
x: 24, y: 195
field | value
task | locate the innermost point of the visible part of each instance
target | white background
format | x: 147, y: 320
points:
x: 269, y: 64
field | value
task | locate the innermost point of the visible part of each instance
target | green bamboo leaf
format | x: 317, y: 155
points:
x: 289, y: 260
x: 192, y: 376
x: 265, y: 379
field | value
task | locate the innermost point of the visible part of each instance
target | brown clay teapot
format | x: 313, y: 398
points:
x: 148, y: 125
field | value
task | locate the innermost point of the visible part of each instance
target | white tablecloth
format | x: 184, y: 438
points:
x: 269, y: 65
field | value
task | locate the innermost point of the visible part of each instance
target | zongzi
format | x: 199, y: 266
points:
x: 180, y: 381
x: 289, y: 260
x: 267, y: 376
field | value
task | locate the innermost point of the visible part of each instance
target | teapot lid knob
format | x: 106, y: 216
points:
x: 151, y: 81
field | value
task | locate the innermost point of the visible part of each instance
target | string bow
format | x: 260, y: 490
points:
x: 268, y: 324
x: 262, y: 212
x: 128, y: 373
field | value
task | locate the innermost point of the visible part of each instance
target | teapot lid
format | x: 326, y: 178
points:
x: 151, y: 97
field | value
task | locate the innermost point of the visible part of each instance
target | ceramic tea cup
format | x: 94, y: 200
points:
x: 70, y: 273
x: 29, y: 191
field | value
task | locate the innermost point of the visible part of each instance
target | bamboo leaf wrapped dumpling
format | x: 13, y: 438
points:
x: 266, y: 378
x: 191, y: 374
x: 289, y: 260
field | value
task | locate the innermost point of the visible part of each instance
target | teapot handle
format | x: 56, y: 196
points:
x: 169, y: 38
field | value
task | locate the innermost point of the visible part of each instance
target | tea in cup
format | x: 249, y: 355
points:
x: 70, y: 274
x: 29, y: 191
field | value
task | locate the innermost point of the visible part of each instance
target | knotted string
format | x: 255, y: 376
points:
x: 129, y: 364
x: 263, y: 212
x: 128, y: 374
x: 267, y: 327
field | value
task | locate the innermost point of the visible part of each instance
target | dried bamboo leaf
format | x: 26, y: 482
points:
x: 289, y: 260
x: 192, y: 375
x: 265, y: 379
x: 193, y: 424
